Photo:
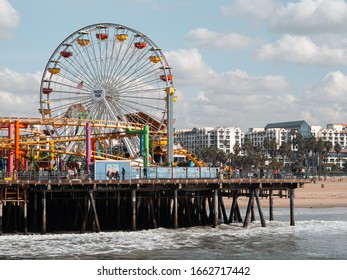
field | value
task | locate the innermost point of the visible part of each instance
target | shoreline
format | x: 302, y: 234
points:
x: 321, y: 194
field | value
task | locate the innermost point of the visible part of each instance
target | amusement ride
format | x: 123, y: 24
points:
x: 106, y: 93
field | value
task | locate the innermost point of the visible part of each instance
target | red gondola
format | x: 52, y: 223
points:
x: 166, y: 78
x: 66, y: 54
x: 47, y: 90
x: 140, y: 45
x: 101, y: 36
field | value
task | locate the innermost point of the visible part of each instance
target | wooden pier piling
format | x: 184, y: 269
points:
x: 133, y: 207
x: 263, y: 224
x: 249, y: 207
x: 93, y: 208
x: 271, y: 205
x: 215, y: 208
x: 118, y: 213
x: 291, y: 197
x: 175, y: 210
x: 44, y: 214
x: 1, y: 215
x: 86, y: 213
x: 25, y: 221
x: 222, y: 210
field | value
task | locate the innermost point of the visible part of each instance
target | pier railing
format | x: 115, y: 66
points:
x: 140, y: 173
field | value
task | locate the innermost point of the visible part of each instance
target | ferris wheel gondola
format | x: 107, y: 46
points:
x: 107, y: 72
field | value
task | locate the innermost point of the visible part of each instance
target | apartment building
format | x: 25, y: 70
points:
x: 281, y: 132
x: 224, y: 138
x: 337, y: 135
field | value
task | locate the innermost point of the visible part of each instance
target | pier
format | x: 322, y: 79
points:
x: 55, y: 205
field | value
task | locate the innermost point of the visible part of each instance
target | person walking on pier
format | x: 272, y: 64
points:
x: 145, y: 173
x: 116, y: 175
x: 123, y: 173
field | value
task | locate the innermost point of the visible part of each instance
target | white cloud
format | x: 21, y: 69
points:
x: 237, y: 98
x: 327, y: 100
x: 189, y: 66
x: 311, y: 16
x: 331, y: 89
x: 250, y: 9
x: 207, y: 98
x: 9, y: 19
x: 301, y: 50
x: 299, y: 17
x: 202, y: 37
x: 242, y: 83
x: 19, y: 93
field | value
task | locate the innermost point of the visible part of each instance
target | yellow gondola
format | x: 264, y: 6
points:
x: 45, y: 111
x: 154, y: 59
x: 83, y: 42
x: 122, y: 37
x: 54, y: 70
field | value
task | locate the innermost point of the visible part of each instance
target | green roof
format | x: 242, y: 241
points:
x: 303, y: 128
x: 292, y: 124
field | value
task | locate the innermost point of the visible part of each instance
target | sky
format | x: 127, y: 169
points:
x: 241, y: 63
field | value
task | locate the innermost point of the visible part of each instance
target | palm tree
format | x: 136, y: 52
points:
x: 236, y: 149
x: 319, y: 150
x: 327, y: 147
x: 298, y: 143
x: 338, y: 149
x: 285, y: 151
x: 312, y: 142
x: 247, y: 147
x: 248, y: 151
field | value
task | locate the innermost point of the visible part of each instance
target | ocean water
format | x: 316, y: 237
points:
x: 318, y: 234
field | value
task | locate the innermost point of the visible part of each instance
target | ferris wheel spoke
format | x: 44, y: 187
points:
x: 88, y: 56
x: 133, y: 106
x: 133, y: 65
x: 124, y: 60
x: 69, y: 82
x: 92, y: 57
x: 77, y: 72
x: 136, y: 85
x: 81, y: 61
x: 140, y: 76
x: 116, y: 62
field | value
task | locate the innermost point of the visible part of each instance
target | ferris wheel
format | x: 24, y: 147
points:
x: 107, y: 72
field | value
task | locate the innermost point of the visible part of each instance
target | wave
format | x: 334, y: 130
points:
x: 225, y: 241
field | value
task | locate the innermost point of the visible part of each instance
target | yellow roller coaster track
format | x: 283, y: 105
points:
x: 188, y: 154
x: 57, y: 122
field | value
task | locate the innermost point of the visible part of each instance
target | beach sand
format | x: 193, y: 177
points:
x: 327, y: 193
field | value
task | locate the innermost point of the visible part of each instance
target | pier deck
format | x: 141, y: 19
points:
x: 60, y: 205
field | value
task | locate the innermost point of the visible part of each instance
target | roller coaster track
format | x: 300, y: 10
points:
x: 5, y: 121
x: 38, y: 141
x: 35, y: 142
x: 188, y: 154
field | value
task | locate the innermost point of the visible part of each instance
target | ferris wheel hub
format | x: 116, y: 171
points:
x: 98, y: 93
